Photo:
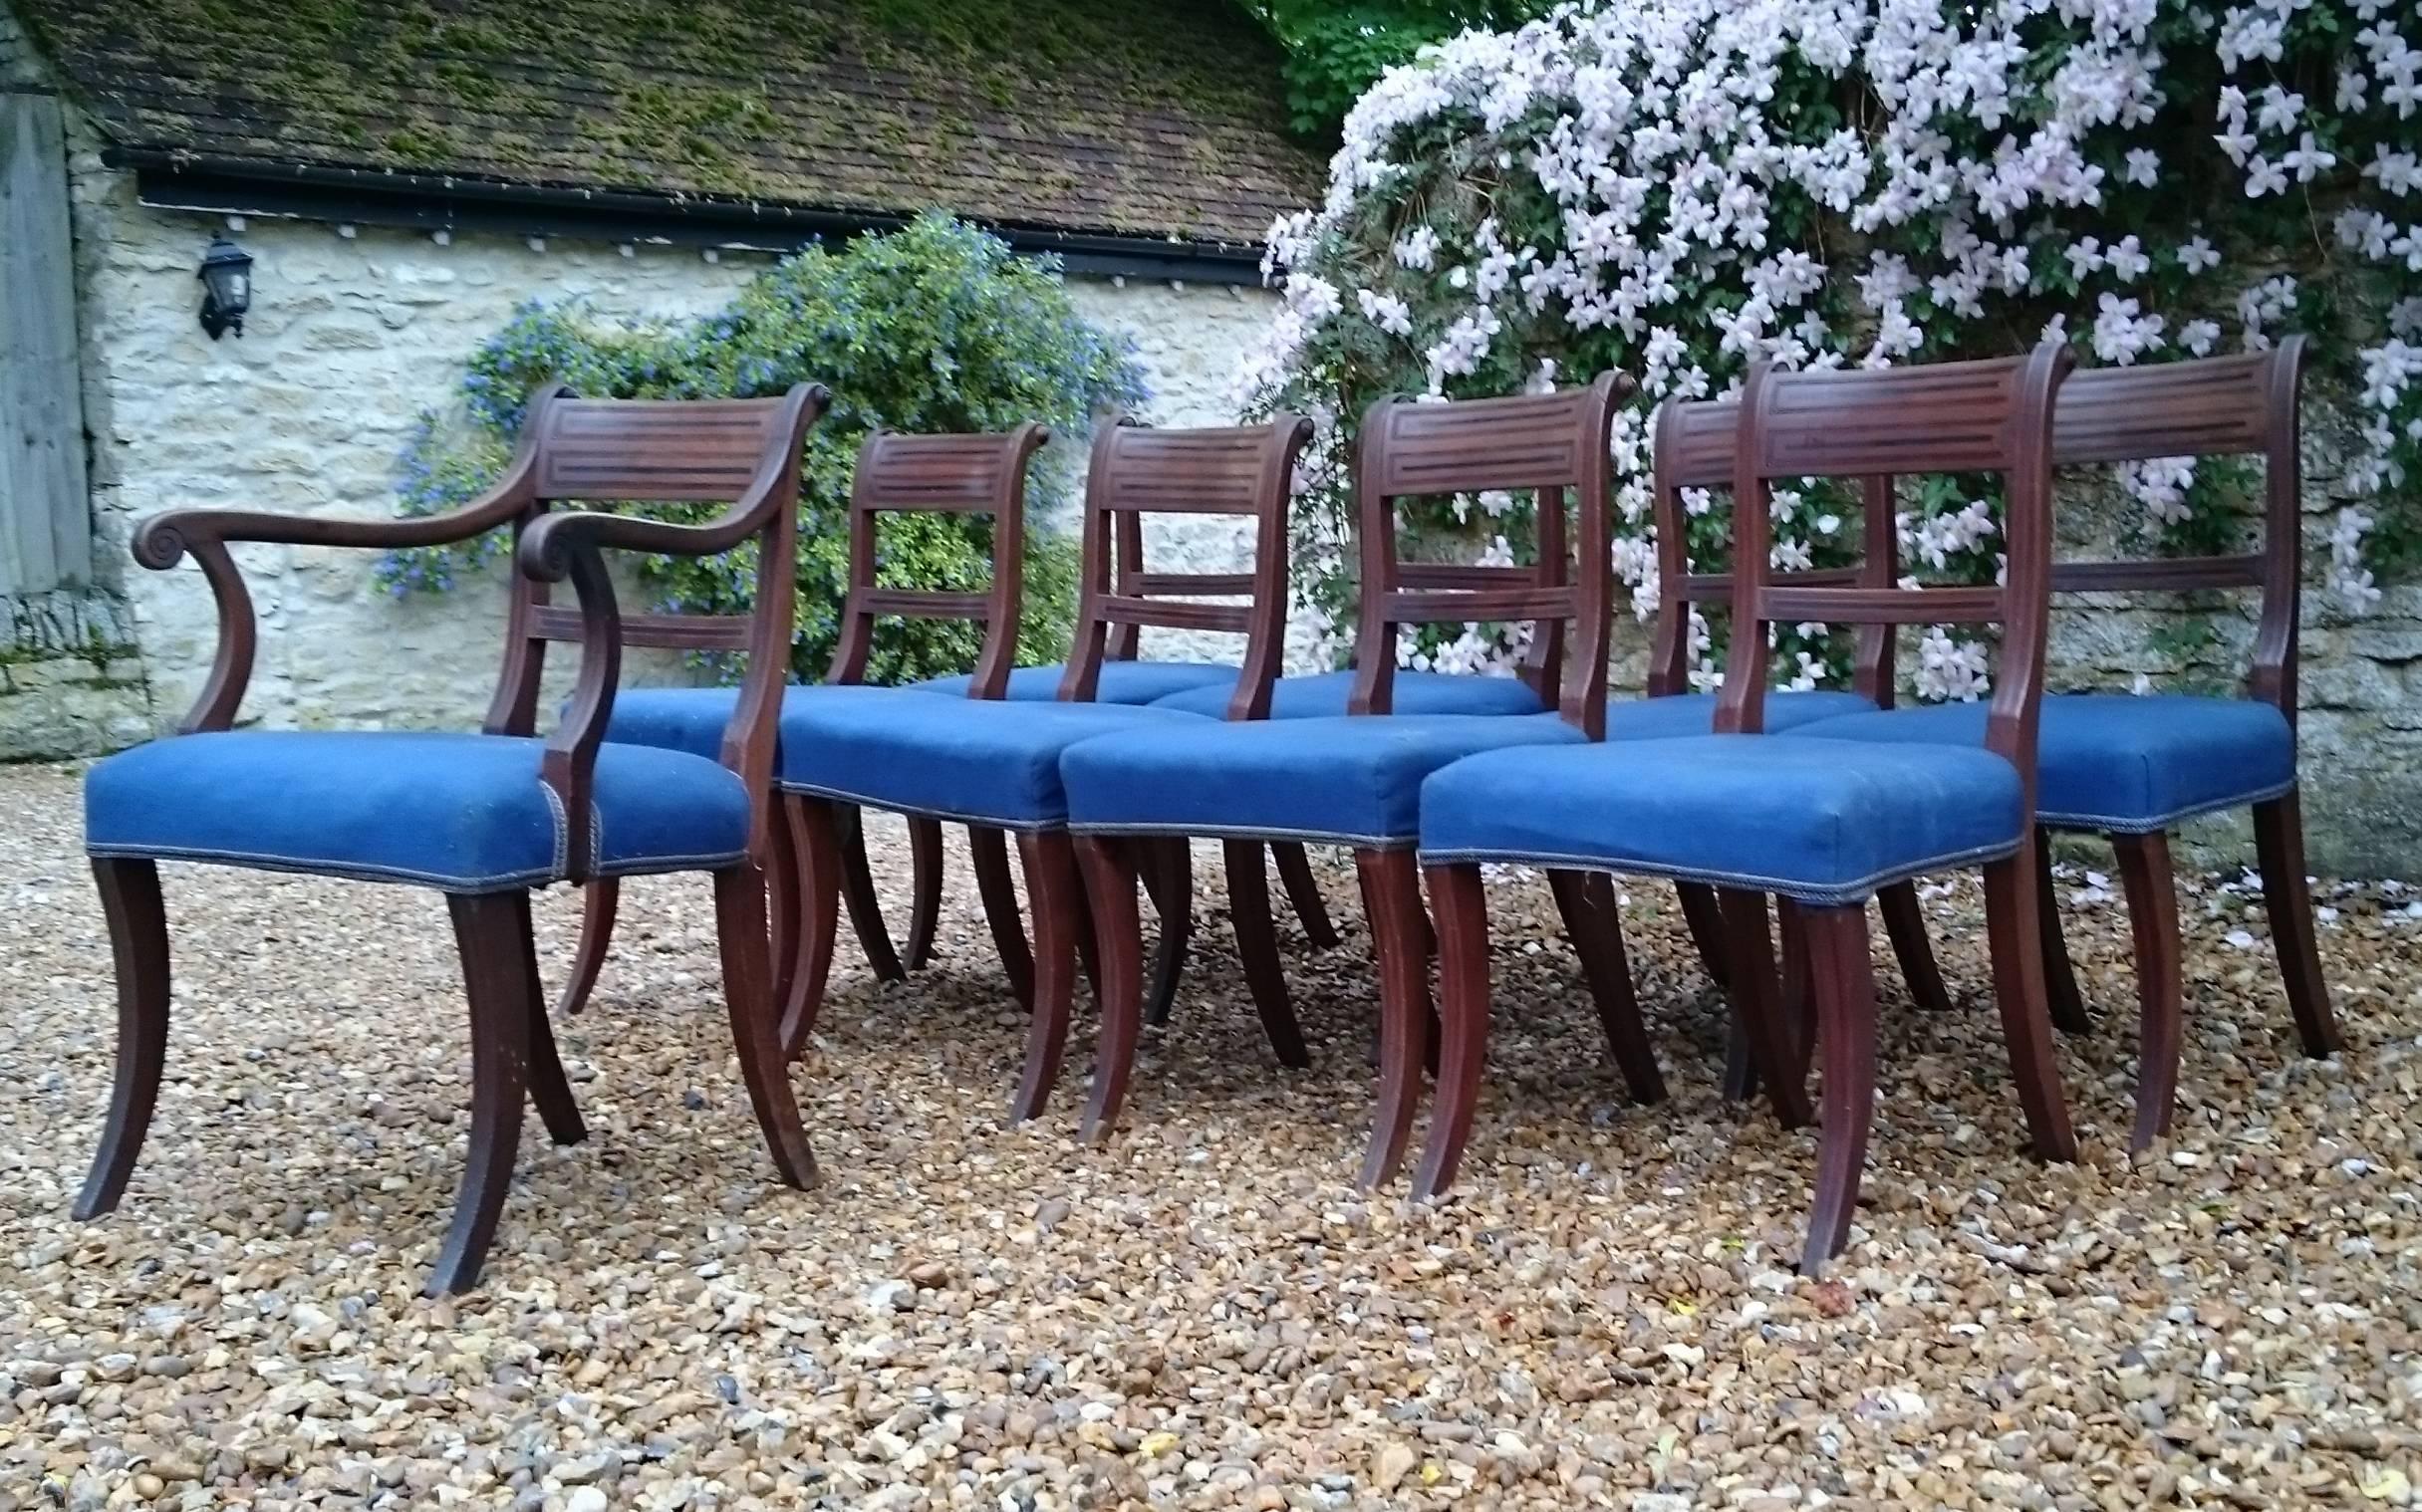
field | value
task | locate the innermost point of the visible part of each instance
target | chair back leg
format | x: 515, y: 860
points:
x: 2017, y: 940
x: 1304, y: 894
x: 1168, y: 876
x: 138, y: 941
x: 1593, y: 921
x: 2061, y: 997
x: 816, y: 845
x: 598, y: 901
x: 1249, y: 912
x: 1391, y: 889
x: 1057, y: 900
x: 1706, y: 922
x: 2279, y: 841
x: 1110, y: 868
x: 1759, y: 1017
x: 755, y: 1015
x: 1841, y: 980
x: 1462, y: 907
x: 865, y: 904
x: 925, y: 877
x: 550, y: 1089
x: 989, y: 851
x: 2152, y: 891
x: 1905, y: 925
x: 488, y: 933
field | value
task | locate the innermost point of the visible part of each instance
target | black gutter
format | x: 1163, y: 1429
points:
x: 219, y: 185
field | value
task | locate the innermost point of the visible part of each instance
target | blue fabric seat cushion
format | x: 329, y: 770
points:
x: 1822, y: 820
x: 2116, y: 762
x: 1324, y: 695
x: 976, y: 759
x: 688, y: 719
x: 1695, y: 713
x: 1120, y: 682
x: 1350, y: 779
x: 462, y: 813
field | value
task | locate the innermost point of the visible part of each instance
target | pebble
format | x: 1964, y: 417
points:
x: 1202, y: 1310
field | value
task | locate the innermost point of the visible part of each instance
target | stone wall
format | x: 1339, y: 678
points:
x: 351, y: 334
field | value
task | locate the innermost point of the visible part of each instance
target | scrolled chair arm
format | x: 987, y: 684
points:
x: 205, y: 534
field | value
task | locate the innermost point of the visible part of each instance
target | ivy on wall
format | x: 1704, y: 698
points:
x: 932, y: 329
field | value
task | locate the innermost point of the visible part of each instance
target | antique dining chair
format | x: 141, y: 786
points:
x: 968, y: 474
x: 485, y: 818
x: 1127, y: 679
x: 995, y: 765
x: 1353, y: 779
x: 1823, y: 823
x: 2130, y: 767
x: 1696, y: 445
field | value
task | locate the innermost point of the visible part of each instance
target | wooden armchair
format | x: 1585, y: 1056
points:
x: 484, y: 818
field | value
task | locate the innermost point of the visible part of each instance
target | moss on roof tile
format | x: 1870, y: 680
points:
x: 1134, y: 117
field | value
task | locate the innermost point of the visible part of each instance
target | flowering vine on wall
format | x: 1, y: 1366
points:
x: 1677, y: 188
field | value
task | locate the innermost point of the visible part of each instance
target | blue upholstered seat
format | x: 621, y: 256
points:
x: 2118, y: 763
x: 985, y: 761
x: 688, y: 719
x: 1823, y: 821
x: 1323, y: 695
x: 1695, y: 713
x: 1345, y: 781
x: 1121, y: 682
x: 462, y: 813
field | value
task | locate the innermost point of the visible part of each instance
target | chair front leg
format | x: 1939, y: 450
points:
x: 1841, y: 978
x: 139, y: 942
x: 865, y: 904
x: 2061, y: 997
x: 1109, y: 867
x: 1249, y: 912
x: 989, y: 851
x: 1056, y: 897
x: 598, y: 901
x: 1758, y: 1014
x: 816, y: 842
x: 488, y: 933
x: 1169, y: 874
x: 1463, y: 956
x: 756, y: 1016
x: 925, y: 874
x: 1593, y: 921
x: 2017, y: 941
x: 2152, y: 890
x: 1706, y: 922
x: 1392, y: 896
x: 1905, y: 925
x: 550, y: 1089
x: 1304, y: 894
x: 2279, y: 846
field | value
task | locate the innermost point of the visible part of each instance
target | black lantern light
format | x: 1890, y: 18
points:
x: 226, y: 275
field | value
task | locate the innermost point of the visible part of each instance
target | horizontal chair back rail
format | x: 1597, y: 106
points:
x: 1554, y: 445
x: 1247, y: 471
x: 940, y: 474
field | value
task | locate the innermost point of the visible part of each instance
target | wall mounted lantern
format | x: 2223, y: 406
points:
x: 226, y: 275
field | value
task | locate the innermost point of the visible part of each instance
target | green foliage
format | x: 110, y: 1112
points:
x: 936, y: 328
x: 1334, y: 52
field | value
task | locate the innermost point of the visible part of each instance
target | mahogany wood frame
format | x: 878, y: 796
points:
x: 1948, y: 418
x: 1549, y: 443
x: 1136, y: 470
x: 742, y: 453
x: 1696, y: 442
x: 2243, y: 404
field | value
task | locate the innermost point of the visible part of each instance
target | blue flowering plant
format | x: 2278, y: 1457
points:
x: 934, y: 328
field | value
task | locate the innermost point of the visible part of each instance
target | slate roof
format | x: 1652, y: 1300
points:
x: 1161, y: 119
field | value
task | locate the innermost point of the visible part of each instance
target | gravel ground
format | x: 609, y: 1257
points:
x: 1205, y: 1313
